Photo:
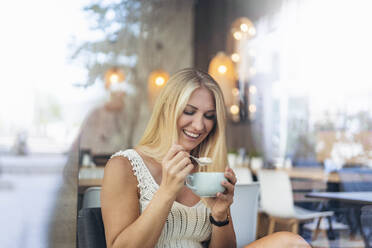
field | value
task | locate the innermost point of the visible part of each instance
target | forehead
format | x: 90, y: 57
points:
x: 202, y: 98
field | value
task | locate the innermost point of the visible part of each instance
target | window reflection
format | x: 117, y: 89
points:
x: 314, y: 58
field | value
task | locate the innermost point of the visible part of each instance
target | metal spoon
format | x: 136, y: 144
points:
x: 202, y: 161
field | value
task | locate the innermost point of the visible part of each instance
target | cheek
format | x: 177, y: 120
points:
x: 182, y: 121
x: 209, y: 126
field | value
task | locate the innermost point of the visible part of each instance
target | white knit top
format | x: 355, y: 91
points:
x: 185, y: 226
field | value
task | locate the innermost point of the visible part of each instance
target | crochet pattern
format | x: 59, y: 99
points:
x: 185, y: 226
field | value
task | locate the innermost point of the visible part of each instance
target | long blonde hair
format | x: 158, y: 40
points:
x: 161, y: 131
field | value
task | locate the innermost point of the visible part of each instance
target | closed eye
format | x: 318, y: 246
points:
x: 210, y: 117
x: 188, y: 112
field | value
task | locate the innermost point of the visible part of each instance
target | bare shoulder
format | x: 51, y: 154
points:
x: 119, y: 195
x: 118, y: 166
x: 118, y: 175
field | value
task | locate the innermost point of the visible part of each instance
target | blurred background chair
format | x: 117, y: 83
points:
x: 366, y: 221
x: 92, y: 198
x: 277, y: 202
x: 101, y: 159
x: 356, y: 179
x: 244, y: 212
x: 243, y: 175
x: 353, y: 179
x: 91, y: 231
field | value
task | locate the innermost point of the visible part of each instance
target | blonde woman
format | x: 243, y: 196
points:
x: 144, y: 200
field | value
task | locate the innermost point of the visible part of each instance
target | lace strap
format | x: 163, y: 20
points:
x: 146, y: 182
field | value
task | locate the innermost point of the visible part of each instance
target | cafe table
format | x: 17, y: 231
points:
x: 310, y: 173
x: 90, y: 177
x: 360, y: 198
x: 355, y: 198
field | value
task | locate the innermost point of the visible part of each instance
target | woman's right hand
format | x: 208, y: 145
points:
x: 176, y: 165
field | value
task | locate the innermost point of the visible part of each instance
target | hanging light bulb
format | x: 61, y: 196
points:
x: 252, y: 31
x: 222, y: 69
x: 252, y: 108
x: 235, y: 57
x: 222, y: 65
x: 243, y: 27
x: 156, y: 82
x: 159, y: 81
x: 252, y: 89
x: 113, y: 76
x: 158, y: 78
x: 237, y: 35
x: 235, y: 92
x: 234, y: 109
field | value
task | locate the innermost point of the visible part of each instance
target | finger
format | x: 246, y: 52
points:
x: 228, y: 169
x: 222, y: 196
x: 181, y: 175
x: 181, y: 155
x: 175, y: 148
x: 180, y: 158
x: 230, y: 176
x: 226, y: 198
x: 177, y: 168
x: 229, y: 187
x: 186, y: 170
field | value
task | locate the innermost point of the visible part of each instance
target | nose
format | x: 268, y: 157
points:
x: 198, y: 123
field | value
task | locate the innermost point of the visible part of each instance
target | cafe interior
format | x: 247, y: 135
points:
x: 297, y: 85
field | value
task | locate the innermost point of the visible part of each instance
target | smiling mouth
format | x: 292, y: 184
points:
x: 191, y: 135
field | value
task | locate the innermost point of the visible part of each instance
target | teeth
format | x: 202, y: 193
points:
x: 191, y: 134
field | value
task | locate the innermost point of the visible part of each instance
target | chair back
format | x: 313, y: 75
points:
x: 91, y: 231
x: 92, y: 198
x: 243, y: 175
x: 356, y: 179
x: 244, y: 212
x: 276, y: 193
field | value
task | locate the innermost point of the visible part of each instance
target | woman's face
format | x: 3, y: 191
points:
x: 197, y: 119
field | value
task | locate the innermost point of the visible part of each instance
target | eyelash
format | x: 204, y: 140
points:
x: 211, y: 117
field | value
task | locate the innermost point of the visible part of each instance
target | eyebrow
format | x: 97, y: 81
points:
x: 193, y: 107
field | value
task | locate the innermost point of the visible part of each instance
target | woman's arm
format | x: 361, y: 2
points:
x: 124, y: 225
x: 280, y: 239
x: 223, y: 236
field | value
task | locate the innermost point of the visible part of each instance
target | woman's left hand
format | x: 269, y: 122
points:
x: 220, y: 204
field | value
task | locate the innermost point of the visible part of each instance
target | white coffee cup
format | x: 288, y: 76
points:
x: 206, y: 184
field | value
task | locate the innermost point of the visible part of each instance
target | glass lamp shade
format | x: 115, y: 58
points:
x: 222, y: 69
x: 156, y: 82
